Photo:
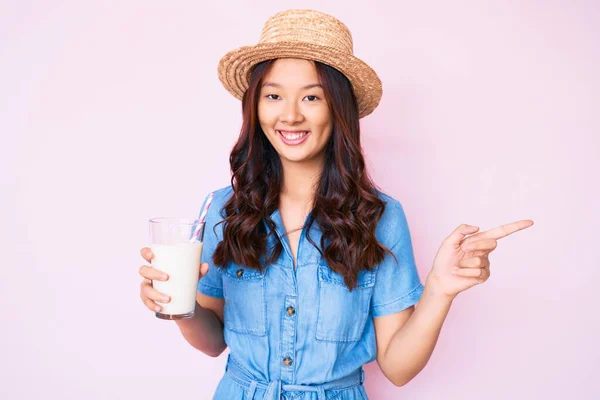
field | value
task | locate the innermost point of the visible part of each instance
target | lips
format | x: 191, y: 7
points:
x: 293, y: 137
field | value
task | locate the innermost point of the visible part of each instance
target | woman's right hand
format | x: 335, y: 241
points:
x: 148, y: 294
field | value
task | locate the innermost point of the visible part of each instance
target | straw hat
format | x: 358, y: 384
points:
x: 304, y: 34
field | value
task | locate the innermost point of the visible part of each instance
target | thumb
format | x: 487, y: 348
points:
x: 203, y: 269
x: 459, y: 234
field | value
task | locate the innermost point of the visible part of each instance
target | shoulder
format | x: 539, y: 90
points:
x: 392, y: 226
x: 220, y: 197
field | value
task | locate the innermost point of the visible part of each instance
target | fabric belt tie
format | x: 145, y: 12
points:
x: 274, y: 389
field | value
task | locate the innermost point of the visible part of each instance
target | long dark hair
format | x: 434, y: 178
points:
x: 346, y: 206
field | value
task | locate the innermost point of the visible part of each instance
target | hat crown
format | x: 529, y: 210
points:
x: 309, y: 35
x: 307, y: 26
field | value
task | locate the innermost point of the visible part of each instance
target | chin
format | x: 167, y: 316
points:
x: 295, y: 157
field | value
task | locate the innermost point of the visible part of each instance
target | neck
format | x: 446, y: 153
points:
x: 300, y: 181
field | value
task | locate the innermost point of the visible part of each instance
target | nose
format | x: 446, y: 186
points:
x: 291, y: 113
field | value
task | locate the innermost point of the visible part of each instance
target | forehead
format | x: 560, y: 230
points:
x: 292, y: 73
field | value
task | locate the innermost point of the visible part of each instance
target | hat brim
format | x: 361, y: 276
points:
x: 234, y: 69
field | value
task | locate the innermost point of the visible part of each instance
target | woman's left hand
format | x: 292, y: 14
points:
x: 462, y: 261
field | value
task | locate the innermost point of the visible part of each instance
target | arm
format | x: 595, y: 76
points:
x: 204, y: 330
x: 405, y: 340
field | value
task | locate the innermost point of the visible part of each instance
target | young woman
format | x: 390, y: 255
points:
x: 308, y: 270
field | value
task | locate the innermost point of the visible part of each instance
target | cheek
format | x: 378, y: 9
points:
x: 265, y: 115
x: 326, y: 128
x: 322, y: 119
x: 326, y: 136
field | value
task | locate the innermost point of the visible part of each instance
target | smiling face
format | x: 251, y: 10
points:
x: 293, y: 112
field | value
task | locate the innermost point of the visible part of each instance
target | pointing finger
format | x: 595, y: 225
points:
x: 501, y: 231
x: 484, y: 244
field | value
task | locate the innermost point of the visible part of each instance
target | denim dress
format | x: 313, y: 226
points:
x: 299, y: 333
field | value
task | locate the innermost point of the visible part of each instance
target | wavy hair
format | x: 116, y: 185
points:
x: 346, y: 206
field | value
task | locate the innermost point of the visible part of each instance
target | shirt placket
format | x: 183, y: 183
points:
x: 290, y: 312
x: 288, y: 339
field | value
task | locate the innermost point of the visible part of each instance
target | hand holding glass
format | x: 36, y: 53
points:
x: 177, y: 247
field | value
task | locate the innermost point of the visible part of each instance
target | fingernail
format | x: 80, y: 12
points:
x: 164, y: 277
x: 157, y: 308
x: 165, y: 299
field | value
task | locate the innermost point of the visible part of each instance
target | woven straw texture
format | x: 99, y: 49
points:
x: 309, y: 35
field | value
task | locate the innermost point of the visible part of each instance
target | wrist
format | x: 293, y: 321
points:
x: 433, y: 289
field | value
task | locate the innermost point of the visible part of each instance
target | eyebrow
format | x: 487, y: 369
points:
x: 277, y: 85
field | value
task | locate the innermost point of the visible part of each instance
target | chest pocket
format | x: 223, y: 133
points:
x: 343, y: 313
x: 245, y: 307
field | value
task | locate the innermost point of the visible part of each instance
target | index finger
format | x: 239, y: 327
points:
x: 147, y: 254
x: 501, y: 231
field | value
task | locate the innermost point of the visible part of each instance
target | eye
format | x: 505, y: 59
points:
x: 314, y: 98
x: 268, y: 96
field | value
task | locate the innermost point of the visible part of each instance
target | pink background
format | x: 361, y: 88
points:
x: 111, y: 113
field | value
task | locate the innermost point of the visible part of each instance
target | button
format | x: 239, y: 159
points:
x: 287, y: 361
x: 239, y: 273
x: 290, y: 310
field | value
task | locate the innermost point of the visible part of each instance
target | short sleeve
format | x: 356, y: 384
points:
x: 212, y: 283
x: 397, y: 282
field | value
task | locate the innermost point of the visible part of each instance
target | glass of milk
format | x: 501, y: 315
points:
x: 177, y: 247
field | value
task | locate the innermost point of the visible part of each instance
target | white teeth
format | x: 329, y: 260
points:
x: 292, y: 136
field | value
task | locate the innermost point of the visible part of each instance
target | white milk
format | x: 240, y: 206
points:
x: 182, y: 263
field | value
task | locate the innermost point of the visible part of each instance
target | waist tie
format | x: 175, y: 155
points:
x: 275, y: 388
